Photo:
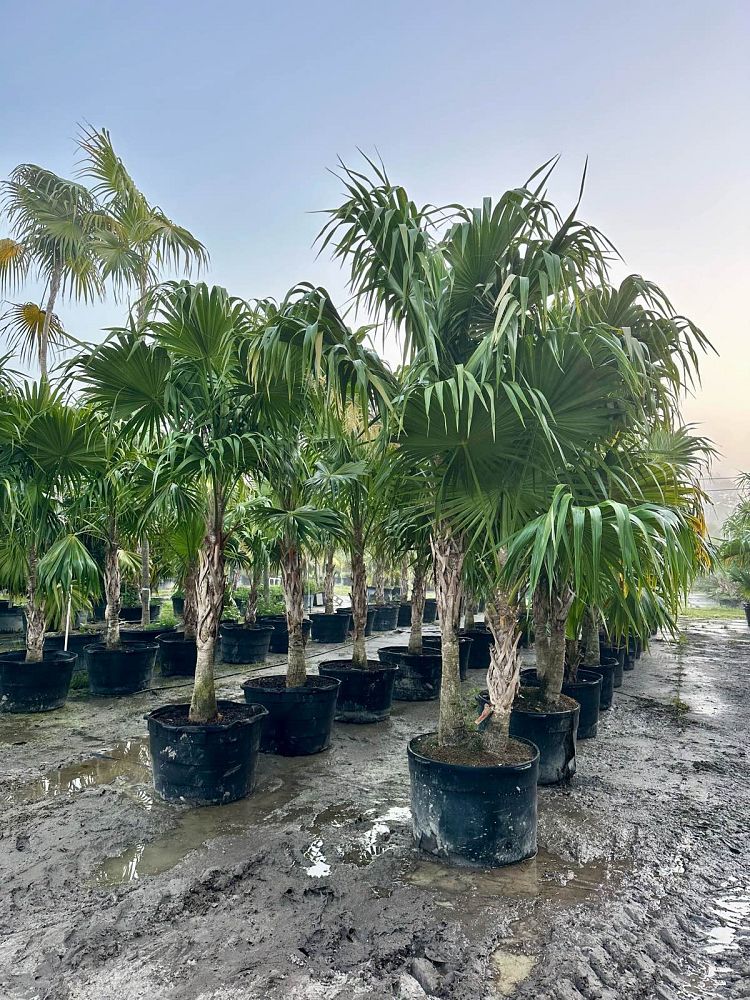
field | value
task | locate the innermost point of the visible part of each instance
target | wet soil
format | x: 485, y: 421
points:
x: 229, y: 713
x: 472, y: 754
x: 311, y: 887
x: 530, y: 699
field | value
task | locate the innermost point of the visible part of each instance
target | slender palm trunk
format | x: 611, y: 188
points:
x: 145, y: 582
x: 403, y: 581
x: 190, y: 612
x: 378, y: 580
x: 291, y: 577
x: 448, y: 559
x: 54, y: 288
x: 330, y: 569
x: 550, y: 615
x: 251, y: 609
x: 36, y: 620
x: 210, y: 600
x: 359, y: 599
x: 112, y: 585
x: 503, y: 675
x: 419, y: 589
x: 590, y: 636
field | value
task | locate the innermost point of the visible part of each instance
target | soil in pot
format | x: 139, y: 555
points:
x: 386, y: 618
x: 464, y: 650
x: 119, y: 671
x: 245, y: 644
x: 205, y: 764
x: 585, y: 690
x: 606, y: 669
x: 300, y: 719
x: 366, y: 693
x: 550, y: 727
x: 177, y: 655
x: 35, y: 687
x: 330, y: 628
x: 430, y: 610
x: 419, y: 674
x: 470, y: 807
x: 479, y: 652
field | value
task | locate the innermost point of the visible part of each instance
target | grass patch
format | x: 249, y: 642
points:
x: 707, y: 614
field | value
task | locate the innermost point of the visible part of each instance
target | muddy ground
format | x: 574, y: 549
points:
x: 312, y: 888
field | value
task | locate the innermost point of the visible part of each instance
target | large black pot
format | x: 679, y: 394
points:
x: 299, y: 719
x: 473, y: 815
x: 177, y: 655
x: 243, y: 644
x: 610, y: 651
x: 386, y: 618
x: 404, y: 616
x: 479, y: 652
x: 585, y: 690
x: 12, y: 619
x: 280, y: 636
x: 606, y: 669
x: 98, y: 609
x: 178, y: 605
x: 430, y: 610
x: 464, y: 650
x: 35, y: 687
x: 554, y: 733
x: 77, y: 643
x: 368, y: 621
x: 746, y: 606
x: 208, y: 764
x: 147, y: 635
x: 418, y: 676
x: 365, y: 695
x: 124, y: 670
x: 330, y: 628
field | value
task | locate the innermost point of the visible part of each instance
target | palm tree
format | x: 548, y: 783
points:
x: 51, y: 240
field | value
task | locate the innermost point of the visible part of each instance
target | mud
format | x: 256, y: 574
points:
x: 312, y: 888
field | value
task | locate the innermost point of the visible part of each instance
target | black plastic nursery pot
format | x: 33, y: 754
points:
x: 299, y: 719
x: 149, y: 635
x: 124, y: 670
x: 245, y: 643
x: 178, y: 605
x: 205, y: 764
x: 585, y: 690
x: 366, y: 693
x: 473, y: 815
x: 134, y: 614
x: 606, y: 669
x: 746, y: 606
x: 404, y: 616
x: 607, y: 651
x: 12, y: 619
x: 35, y: 687
x: 418, y: 676
x: 464, y: 650
x: 479, y: 652
x: 386, y: 618
x: 77, y: 643
x: 177, y: 655
x: 280, y: 635
x: 330, y: 628
x: 430, y: 610
x: 553, y: 731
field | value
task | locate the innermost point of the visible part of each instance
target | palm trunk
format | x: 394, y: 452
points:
x: 419, y: 589
x: 291, y: 577
x: 210, y: 599
x: 590, y: 637
x: 359, y: 600
x: 448, y: 559
x: 504, y: 671
x: 550, y: 615
x: 54, y: 288
x: 190, y: 612
x: 572, y: 660
x: 378, y: 581
x: 112, y: 584
x: 330, y: 569
x: 36, y: 620
x: 145, y: 582
x: 403, y: 581
x: 251, y: 609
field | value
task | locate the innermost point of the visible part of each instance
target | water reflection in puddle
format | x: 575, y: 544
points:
x: 126, y: 765
x: 359, y: 849
x: 732, y: 913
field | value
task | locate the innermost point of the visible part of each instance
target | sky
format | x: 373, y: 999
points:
x: 230, y: 116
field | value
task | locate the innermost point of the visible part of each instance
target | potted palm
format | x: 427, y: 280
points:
x: 180, y: 375
x: 247, y: 640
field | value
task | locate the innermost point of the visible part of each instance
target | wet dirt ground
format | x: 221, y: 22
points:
x: 312, y: 888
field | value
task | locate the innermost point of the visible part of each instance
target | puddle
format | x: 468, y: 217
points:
x: 126, y: 765
x: 732, y: 914
x: 545, y: 877
x: 194, y: 828
x: 359, y: 849
x: 319, y: 867
x: 509, y: 970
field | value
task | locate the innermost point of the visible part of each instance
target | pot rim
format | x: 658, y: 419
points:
x: 251, y: 684
x: 258, y: 712
x: 348, y: 667
x: 16, y: 656
x: 124, y: 647
x: 474, y: 768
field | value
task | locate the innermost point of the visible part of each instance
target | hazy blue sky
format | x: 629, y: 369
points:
x: 229, y: 113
